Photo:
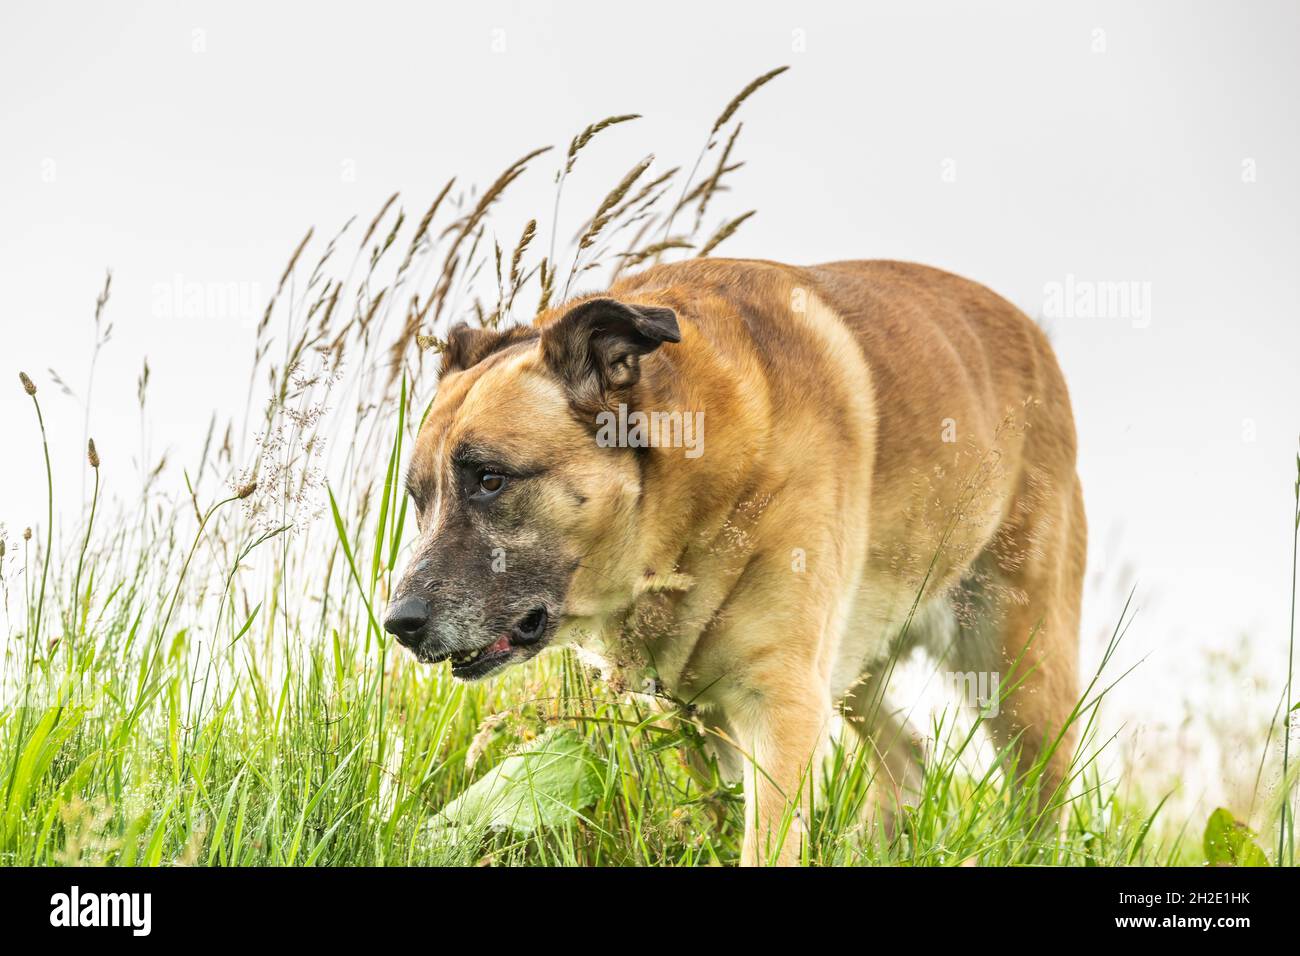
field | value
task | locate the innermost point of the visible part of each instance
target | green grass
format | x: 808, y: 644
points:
x: 138, y: 745
x: 235, y: 714
x: 197, y: 676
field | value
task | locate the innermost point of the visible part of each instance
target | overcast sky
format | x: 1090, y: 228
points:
x: 1050, y: 151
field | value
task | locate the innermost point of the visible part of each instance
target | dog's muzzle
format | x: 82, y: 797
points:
x: 409, y: 620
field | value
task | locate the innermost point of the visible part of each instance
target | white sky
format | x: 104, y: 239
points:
x: 123, y: 147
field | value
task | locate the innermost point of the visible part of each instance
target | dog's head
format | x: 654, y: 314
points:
x: 511, y: 490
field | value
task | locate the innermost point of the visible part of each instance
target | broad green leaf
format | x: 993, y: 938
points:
x: 547, y: 784
x: 1229, y: 842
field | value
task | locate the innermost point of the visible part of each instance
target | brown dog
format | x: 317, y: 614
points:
x: 750, y: 484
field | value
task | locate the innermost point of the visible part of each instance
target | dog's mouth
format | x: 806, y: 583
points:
x: 522, y: 641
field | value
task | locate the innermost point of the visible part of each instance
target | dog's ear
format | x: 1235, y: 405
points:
x: 467, y: 346
x: 595, y: 348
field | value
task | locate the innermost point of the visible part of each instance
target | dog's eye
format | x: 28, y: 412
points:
x: 490, y: 484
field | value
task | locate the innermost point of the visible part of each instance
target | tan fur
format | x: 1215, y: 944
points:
x: 767, y: 580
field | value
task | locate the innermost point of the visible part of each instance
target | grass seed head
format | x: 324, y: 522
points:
x: 745, y: 94
x: 245, y: 490
x: 27, y: 534
x: 28, y: 385
x: 92, y: 454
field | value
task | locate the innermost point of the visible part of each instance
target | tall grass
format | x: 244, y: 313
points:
x: 200, y: 677
x: 1290, y: 706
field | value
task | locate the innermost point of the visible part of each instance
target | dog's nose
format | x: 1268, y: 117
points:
x: 406, y: 620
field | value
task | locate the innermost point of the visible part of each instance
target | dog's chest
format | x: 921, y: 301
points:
x: 635, y: 678
x: 642, y: 650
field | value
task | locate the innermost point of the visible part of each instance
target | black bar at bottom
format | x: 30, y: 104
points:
x: 380, y: 906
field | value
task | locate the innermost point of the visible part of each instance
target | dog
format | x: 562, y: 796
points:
x: 851, y: 461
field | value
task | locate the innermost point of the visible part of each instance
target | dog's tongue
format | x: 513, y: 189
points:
x: 502, y: 644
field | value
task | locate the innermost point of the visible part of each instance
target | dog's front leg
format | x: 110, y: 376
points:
x: 781, y: 734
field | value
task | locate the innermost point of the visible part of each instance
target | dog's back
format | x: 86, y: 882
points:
x: 975, y: 533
